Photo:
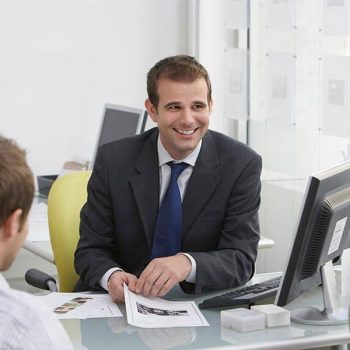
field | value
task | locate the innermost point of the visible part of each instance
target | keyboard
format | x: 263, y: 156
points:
x: 245, y: 295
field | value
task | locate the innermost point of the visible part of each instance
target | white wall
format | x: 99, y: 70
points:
x: 62, y: 60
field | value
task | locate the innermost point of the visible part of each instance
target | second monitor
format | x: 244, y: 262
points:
x: 118, y: 122
x: 321, y: 235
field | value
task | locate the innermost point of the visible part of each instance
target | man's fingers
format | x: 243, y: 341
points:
x: 150, y: 279
x: 116, y: 284
x: 131, y: 282
x: 158, y: 285
x: 166, y: 287
x: 116, y: 293
x: 143, y: 278
x: 162, y: 274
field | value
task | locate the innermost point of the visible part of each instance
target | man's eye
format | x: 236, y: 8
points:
x: 198, y: 107
x: 173, y: 107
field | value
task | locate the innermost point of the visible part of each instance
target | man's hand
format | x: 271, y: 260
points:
x: 162, y: 274
x: 116, y: 284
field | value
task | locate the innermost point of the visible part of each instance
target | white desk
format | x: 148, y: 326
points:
x: 38, y: 240
x: 41, y: 249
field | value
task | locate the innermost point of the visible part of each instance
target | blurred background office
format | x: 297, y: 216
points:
x: 280, y: 71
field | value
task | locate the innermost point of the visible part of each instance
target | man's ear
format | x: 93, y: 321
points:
x: 210, y: 106
x: 151, y: 110
x: 12, y: 224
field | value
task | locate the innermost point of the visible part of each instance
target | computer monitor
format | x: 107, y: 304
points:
x: 320, y: 237
x: 118, y: 122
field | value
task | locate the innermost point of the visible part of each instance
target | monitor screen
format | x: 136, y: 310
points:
x: 119, y: 122
x: 321, y: 234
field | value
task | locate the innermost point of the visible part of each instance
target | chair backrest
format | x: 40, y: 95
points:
x: 66, y: 198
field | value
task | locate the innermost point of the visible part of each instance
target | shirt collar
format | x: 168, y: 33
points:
x: 164, y: 157
x: 3, y: 283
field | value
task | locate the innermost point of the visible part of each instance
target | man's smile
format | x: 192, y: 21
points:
x: 186, y: 132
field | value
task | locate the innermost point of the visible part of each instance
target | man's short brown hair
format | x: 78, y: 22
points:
x: 16, y: 180
x: 177, y: 68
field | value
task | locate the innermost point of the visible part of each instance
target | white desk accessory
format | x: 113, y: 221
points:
x: 275, y: 315
x: 242, y: 320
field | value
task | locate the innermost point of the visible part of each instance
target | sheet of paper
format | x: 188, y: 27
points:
x: 335, y: 17
x: 38, y: 223
x: 236, y: 13
x: 236, y: 84
x: 159, y: 313
x: 282, y: 85
x: 282, y: 14
x: 336, y: 101
x: 81, y: 305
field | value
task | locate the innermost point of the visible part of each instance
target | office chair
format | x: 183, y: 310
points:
x: 66, y: 198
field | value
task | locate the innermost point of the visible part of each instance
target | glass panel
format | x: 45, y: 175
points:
x: 299, y: 106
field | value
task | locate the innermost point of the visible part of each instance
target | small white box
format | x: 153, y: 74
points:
x: 275, y: 315
x: 242, y: 320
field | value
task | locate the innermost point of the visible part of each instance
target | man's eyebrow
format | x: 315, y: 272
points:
x: 204, y: 103
x: 173, y: 103
x: 178, y: 103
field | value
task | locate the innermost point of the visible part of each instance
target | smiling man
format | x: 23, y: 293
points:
x: 176, y: 204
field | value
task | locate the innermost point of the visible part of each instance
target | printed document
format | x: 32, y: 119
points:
x: 159, y: 313
x: 81, y: 305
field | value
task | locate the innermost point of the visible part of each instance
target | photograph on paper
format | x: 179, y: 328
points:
x: 149, y: 312
x: 71, y: 305
x: 146, y: 310
x: 81, y: 305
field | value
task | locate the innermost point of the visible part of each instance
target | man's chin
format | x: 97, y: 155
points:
x: 184, y: 150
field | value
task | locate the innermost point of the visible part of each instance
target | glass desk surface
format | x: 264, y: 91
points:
x: 115, y: 333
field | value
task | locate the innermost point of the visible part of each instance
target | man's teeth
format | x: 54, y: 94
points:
x: 186, y: 132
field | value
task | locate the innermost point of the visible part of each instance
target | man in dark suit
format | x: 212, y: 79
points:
x: 219, y: 188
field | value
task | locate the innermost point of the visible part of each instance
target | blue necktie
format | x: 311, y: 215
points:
x: 167, y: 233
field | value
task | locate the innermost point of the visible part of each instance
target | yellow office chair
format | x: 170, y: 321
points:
x: 66, y: 198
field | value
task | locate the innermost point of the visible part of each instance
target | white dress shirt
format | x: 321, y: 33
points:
x: 164, y: 177
x: 26, y: 324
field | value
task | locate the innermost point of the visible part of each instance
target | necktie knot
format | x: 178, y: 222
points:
x: 176, y: 170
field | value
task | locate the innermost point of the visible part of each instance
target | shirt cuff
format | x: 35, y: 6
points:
x: 191, y: 278
x: 106, y: 276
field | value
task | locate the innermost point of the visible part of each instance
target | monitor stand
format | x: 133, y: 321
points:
x: 333, y: 312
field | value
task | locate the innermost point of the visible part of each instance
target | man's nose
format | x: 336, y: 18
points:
x: 187, y: 116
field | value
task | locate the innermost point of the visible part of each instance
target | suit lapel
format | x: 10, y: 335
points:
x: 145, y: 186
x: 203, y: 182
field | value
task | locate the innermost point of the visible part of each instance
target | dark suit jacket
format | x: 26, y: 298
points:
x: 220, y: 212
